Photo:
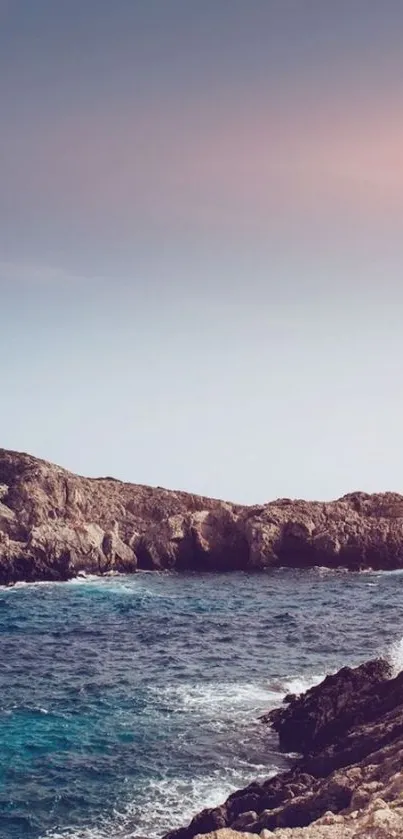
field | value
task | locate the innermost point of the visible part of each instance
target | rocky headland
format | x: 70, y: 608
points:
x: 54, y: 525
x: 348, y: 780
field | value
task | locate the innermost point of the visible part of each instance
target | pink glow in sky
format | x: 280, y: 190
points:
x: 233, y: 167
x: 201, y: 241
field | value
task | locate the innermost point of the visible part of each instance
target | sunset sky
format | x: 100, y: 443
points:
x: 201, y: 242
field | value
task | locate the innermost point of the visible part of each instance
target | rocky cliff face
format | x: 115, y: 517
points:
x: 349, y: 780
x: 54, y: 524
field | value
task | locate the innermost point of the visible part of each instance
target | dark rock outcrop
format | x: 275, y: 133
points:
x: 54, y: 524
x: 315, y: 719
x: 350, y: 732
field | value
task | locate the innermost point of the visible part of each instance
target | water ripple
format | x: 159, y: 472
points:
x: 127, y: 704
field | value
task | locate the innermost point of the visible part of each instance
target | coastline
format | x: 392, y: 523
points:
x: 87, y: 577
x: 55, y: 525
x: 347, y: 781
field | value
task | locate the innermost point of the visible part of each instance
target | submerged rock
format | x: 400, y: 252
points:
x: 54, y: 524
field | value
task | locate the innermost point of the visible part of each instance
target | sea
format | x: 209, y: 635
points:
x: 128, y: 704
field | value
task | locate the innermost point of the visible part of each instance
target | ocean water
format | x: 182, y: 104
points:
x: 127, y: 704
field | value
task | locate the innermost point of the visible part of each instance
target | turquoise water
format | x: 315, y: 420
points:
x: 129, y: 703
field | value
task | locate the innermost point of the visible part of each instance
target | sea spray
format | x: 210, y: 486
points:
x: 395, y: 656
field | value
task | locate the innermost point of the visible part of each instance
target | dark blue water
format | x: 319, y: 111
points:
x: 127, y: 704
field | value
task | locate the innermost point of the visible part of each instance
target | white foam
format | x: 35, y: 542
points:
x: 174, y: 802
x: 123, y: 584
x: 233, y: 699
x: 295, y: 684
x: 23, y: 584
x: 395, y: 656
x: 325, y: 570
x: 216, y: 698
x: 167, y: 804
x: 83, y: 578
x: 300, y: 684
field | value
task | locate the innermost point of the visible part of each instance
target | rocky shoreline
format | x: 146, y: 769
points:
x: 348, y: 781
x: 54, y: 525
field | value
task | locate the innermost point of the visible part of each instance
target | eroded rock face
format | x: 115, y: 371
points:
x: 349, y: 780
x: 54, y: 524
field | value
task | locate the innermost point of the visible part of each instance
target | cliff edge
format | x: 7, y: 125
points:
x: 54, y: 524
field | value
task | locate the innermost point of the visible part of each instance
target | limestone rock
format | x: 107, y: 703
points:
x: 48, y: 516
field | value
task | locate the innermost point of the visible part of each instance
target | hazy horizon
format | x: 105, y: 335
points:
x: 201, y: 242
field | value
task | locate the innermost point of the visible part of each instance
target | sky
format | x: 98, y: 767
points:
x: 201, y: 242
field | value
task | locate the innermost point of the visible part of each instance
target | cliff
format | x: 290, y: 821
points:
x: 348, y: 781
x: 54, y: 524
